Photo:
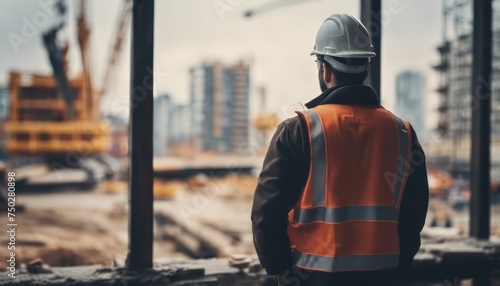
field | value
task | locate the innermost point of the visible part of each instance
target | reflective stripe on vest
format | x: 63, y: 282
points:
x: 318, y: 171
x: 343, y: 214
x: 347, y: 262
x: 320, y: 213
x: 403, y: 159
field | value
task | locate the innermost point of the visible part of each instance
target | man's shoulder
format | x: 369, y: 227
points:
x: 292, y: 135
x: 291, y: 121
x: 293, y: 130
x: 292, y: 124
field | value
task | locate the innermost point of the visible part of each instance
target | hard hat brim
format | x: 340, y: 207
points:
x: 346, y: 54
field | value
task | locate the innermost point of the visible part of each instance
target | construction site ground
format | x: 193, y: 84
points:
x: 67, y: 227
x: 74, y: 227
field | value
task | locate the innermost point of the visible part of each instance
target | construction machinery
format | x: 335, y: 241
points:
x: 54, y: 124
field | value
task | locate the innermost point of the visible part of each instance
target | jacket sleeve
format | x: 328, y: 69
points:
x: 414, y: 203
x: 278, y: 189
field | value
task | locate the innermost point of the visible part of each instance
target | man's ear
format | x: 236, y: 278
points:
x: 327, y: 74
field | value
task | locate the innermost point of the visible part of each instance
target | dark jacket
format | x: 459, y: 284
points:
x: 286, y: 169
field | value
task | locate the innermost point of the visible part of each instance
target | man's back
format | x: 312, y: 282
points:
x: 363, y: 147
x: 346, y: 217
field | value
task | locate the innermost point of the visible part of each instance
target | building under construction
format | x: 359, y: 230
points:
x: 455, y: 69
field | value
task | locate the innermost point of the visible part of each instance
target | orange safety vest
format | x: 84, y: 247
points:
x: 347, y: 216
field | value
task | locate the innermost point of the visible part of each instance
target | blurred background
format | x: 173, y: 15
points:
x: 226, y: 73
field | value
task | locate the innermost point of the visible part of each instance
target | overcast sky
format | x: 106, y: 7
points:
x: 187, y: 32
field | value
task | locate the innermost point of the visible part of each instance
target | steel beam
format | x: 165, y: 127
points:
x: 371, y: 18
x: 481, y: 120
x: 141, y: 137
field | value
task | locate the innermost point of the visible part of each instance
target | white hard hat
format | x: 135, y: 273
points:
x: 343, y: 36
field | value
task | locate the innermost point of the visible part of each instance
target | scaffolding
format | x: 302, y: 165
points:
x: 455, y: 84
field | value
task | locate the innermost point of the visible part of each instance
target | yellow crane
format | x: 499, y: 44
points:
x: 56, y: 118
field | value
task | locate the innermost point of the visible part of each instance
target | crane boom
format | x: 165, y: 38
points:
x: 83, y: 42
x: 272, y: 5
x: 116, y: 48
x: 56, y: 57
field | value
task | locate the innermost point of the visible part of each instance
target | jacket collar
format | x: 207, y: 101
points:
x: 346, y: 94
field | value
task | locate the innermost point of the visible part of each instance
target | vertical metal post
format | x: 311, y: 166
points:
x: 371, y: 17
x: 481, y: 129
x: 481, y: 120
x: 141, y: 137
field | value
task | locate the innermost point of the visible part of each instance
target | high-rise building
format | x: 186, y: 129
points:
x: 220, y: 107
x: 180, y: 140
x: 456, y: 80
x: 181, y: 124
x: 410, y: 99
x: 4, y: 103
x: 162, y: 124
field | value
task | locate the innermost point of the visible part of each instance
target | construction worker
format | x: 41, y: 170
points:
x: 343, y: 193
